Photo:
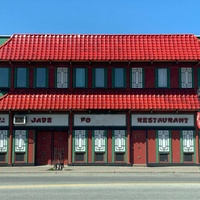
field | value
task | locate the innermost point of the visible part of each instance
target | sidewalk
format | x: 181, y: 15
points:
x: 101, y: 169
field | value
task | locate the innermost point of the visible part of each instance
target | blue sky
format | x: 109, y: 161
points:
x: 100, y: 16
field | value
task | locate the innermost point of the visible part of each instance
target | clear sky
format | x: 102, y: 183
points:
x: 100, y: 16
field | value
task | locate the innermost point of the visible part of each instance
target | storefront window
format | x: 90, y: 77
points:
x: 4, y: 77
x: 137, y: 78
x: 120, y: 140
x: 80, y: 141
x: 62, y: 77
x: 3, y: 141
x: 100, y: 141
x: 20, y: 141
x: 188, y: 141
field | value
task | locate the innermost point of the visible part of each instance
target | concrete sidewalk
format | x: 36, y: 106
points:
x: 101, y: 169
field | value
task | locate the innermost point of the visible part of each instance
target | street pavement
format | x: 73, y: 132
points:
x: 100, y: 169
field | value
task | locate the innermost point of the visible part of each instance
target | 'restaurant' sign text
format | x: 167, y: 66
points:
x: 162, y: 120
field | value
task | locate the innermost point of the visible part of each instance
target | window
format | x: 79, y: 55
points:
x: 41, y: 77
x: 163, y: 140
x: 119, y: 78
x: 188, y: 141
x: 99, y: 77
x: 20, y: 141
x: 4, y: 77
x: 21, y: 77
x: 137, y: 78
x: 80, y: 77
x: 163, y: 145
x: 120, y: 141
x: 3, y: 141
x: 62, y: 77
x: 186, y: 78
x: 162, y: 74
x: 80, y: 141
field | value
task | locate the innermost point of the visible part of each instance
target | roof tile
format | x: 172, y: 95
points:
x: 42, y: 47
x: 61, y: 100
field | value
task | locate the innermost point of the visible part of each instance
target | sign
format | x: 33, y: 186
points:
x: 4, y: 120
x: 47, y: 120
x: 198, y: 120
x: 162, y: 120
x: 100, y: 120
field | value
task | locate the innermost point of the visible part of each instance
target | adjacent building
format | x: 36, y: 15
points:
x: 99, y: 99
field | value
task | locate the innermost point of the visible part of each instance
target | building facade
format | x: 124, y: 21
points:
x: 99, y: 100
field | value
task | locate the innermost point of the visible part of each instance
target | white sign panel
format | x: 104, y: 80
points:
x: 99, y: 120
x: 162, y: 120
x: 4, y: 120
x: 47, y: 120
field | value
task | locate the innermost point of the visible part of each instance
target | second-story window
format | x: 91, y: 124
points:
x: 186, y: 78
x: 119, y: 78
x: 80, y: 78
x: 99, y: 78
x: 162, y: 76
x: 62, y: 77
x: 21, y: 78
x: 41, y: 77
x: 137, y: 78
x: 4, y: 77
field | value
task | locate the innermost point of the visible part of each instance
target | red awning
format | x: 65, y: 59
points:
x: 132, y: 100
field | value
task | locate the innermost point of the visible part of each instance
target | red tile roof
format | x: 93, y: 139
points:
x: 44, y: 47
x: 62, y: 100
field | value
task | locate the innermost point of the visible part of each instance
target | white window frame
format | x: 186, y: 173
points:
x: 137, y: 78
x: 186, y: 77
x: 62, y: 77
x: 162, y: 77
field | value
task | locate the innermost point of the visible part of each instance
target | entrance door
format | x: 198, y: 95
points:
x: 139, y: 147
x: 60, y: 147
x: 44, y: 148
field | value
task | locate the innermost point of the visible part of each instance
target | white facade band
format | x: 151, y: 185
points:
x: 4, y: 120
x: 100, y: 120
x: 47, y: 120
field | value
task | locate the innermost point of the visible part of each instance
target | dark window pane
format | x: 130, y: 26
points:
x: 99, y: 77
x: 19, y: 156
x: 79, y: 156
x: 119, y: 77
x: 163, y: 157
x: 21, y: 77
x: 99, y: 156
x: 4, y: 77
x: 80, y: 77
x: 2, y: 157
x: 119, y: 157
x: 188, y: 157
x: 41, y: 77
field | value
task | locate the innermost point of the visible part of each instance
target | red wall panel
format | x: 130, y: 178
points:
x: 176, y: 146
x: 151, y: 134
x: 31, y: 149
x: 149, y: 78
x: 174, y: 80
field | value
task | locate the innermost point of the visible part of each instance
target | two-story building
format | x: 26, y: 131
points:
x: 99, y: 99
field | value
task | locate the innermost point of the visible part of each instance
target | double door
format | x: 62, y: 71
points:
x: 51, y: 147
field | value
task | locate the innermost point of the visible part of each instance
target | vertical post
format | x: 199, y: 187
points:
x: 197, y: 146
x: 10, y: 139
x: 70, y: 138
x: 128, y: 138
